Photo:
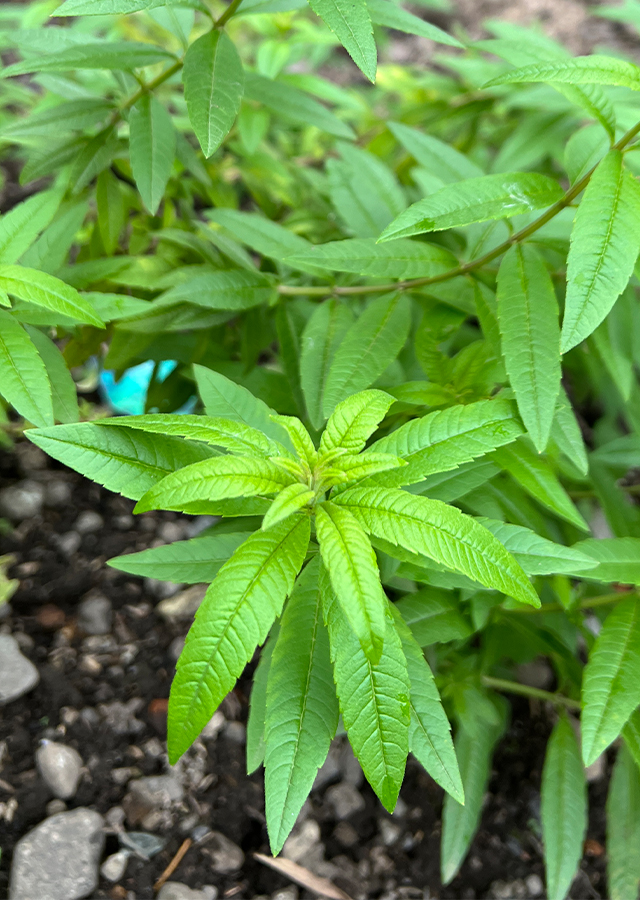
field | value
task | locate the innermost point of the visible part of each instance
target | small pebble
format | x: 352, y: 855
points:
x: 54, y: 807
x: 114, y: 818
x: 302, y: 841
x: 170, y: 532
x: 199, y: 832
x: 182, y: 606
x: 88, y: 522
x: 345, y: 800
x: 123, y: 523
x: 226, y: 857
x: 59, y: 767
x: 18, y: 675
x: 176, y: 647
x: 535, y: 886
x: 161, y: 589
x: 175, y: 890
x: 90, y: 665
x: 145, y: 846
x: 114, y: 866
x: 68, y: 543
x: 57, y: 493
x: 50, y: 617
x: 22, y: 501
x: 95, y: 614
x: 236, y: 732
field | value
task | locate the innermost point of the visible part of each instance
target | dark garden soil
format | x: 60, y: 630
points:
x: 369, y: 855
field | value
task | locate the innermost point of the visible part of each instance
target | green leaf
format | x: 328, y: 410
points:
x: 374, y: 700
x: 116, y: 55
x: 352, y: 568
x: 362, y: 256
x: 289, y: 501
x: 617, y: 559
x: 235, y: 617
x: 223, y: 398
x: 124, y: 461
x: 605, y: 241
x: 105, y: 7
x: 45, y: 290
x: 194, y: 488
x: 442, y: 533
x: 429, y: 731
x: 20, y: 227
x: 442, y: 161
x: 475, y: 200
x: 294, y: 105
x: 530, y: 331
x: 153, y: 147
x: 321, y: 338
x: 261, y: 234
x: 23, y: 377
x: 351, y: 23
x: 63, y: 388
x: 448, y: 438
x: 384, y: 12
x: 258, y: 705
x: 368, y: 347
x: 300, y: 440
x: 537, y: 555
x: 302, y: 708
x: 354, y: 420
x: 563, y: 809
x: 631, y: 735
x: 539, y: 480
x: 611, y: 682
x: 580, y: 70
x: 213, y: 86
x: 364, y: 192
x: 234, y: 436
x: 623, y: 828
x: 183, y: 562
x: 351, y: 469
x: 433, y: 616
x: 235, y: 289
x: 474, y: 750
x: 565, y: 431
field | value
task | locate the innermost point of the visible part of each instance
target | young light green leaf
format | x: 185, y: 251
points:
x: 195, y: 487
x: 351, y: 24
x: 623, y: 828
x: 538, y: 479
x: 364, y: 192
x: 185, y: 562
x: 631, y: 735
x: 122, y: 460
x: 234, y: 618
x: 63, y: 388
x: 321, y: 337
x: 611, y: 682
x: 213, y: 86
x: 153, y: 146
x: 530, y: 331
x: 448, y: 438
x: 374, y: 700
x: 45, y: 290
x: 289, y: 501
x: 565, y: 431
x: 354, y: 420
x: 429, y: 731
x: 475, y: 200
x: 351, y: 565
x: 23, y: 377
x: 563, y: 809
x: 369, y: 346
x: 442, y: 533
x: 105, y: 7
x: 302, y: 714
x: 579, y: 70
x: 617, y: 559
x: 261, y: 234
x: 20, y: 227
x: 433, y: 616
x: 474, y: 750
x: 235, y: 289
x: 362, y: 256
x: 258, y: 705
x: 389, y: 14
x: 234, y: 436
x: 116, y: 55
x: 226, y: 399
x: 537, y: 555
x: 294, y: 105
x: 363, y: 465
x: 604, y: 246
x: 300, y: 440
x: 442, y: 161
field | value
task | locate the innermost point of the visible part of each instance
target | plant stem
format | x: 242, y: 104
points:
x: 466, y: 268
x: 513, y: 687
x: 229, y: 11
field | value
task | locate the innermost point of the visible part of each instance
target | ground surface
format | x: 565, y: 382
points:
x: 368, y: 853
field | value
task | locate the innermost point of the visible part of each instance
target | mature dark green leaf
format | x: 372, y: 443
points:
x: 184, y: 562
x: 321, y: 338
x: 433, y: 616
x: 389, y: 14
x: 442, y: 161
x: 294, y: 105
x: 153, y: 145
x: 235, y: 289
x: 351, y: 23
x: 63, y: 388
x: 20, y: 227
x: 23, y: 376
x: 623, y: 828
x: 580, y: 70
x: 617, y: 559
x: 258, y: 705
x: 117, y: 55
x: 362, y: 256
x: 45, y: 290
x: 537, y: 555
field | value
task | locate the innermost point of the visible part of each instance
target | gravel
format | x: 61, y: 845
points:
x: 60, y: 768
x: 18, y: 675
x: 22, y: 501
x: 95, y: 614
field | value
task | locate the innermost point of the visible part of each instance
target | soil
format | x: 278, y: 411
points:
x: 506, y: 849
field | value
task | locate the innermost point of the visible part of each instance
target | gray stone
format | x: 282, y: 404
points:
x: 60, y: 768
x: 114, y: 866
x: 182, y: 606
x: 302, y: 841
x: 18, y: 675
x: 161, y: 589
x: 88, y: 522
x: 95, y: 614
x: 22, y: 501
x: 144, y: 845
x: 389, y: 831
x: 199, y: 833
x: 596, y: 771
x: 171, y: 531
x: 176, y: 647
x: 534, y: 885
x: 59, y: 858
x: 175, y: 890
x: 57, y: 493
x: 345, y: 800
x: 121, y: 717
x: 68, y: 543
x: 288, y: 893
x: 151, y: 794
x: 56, y: 806
x: 226, y: 857
x: 236, y: 732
